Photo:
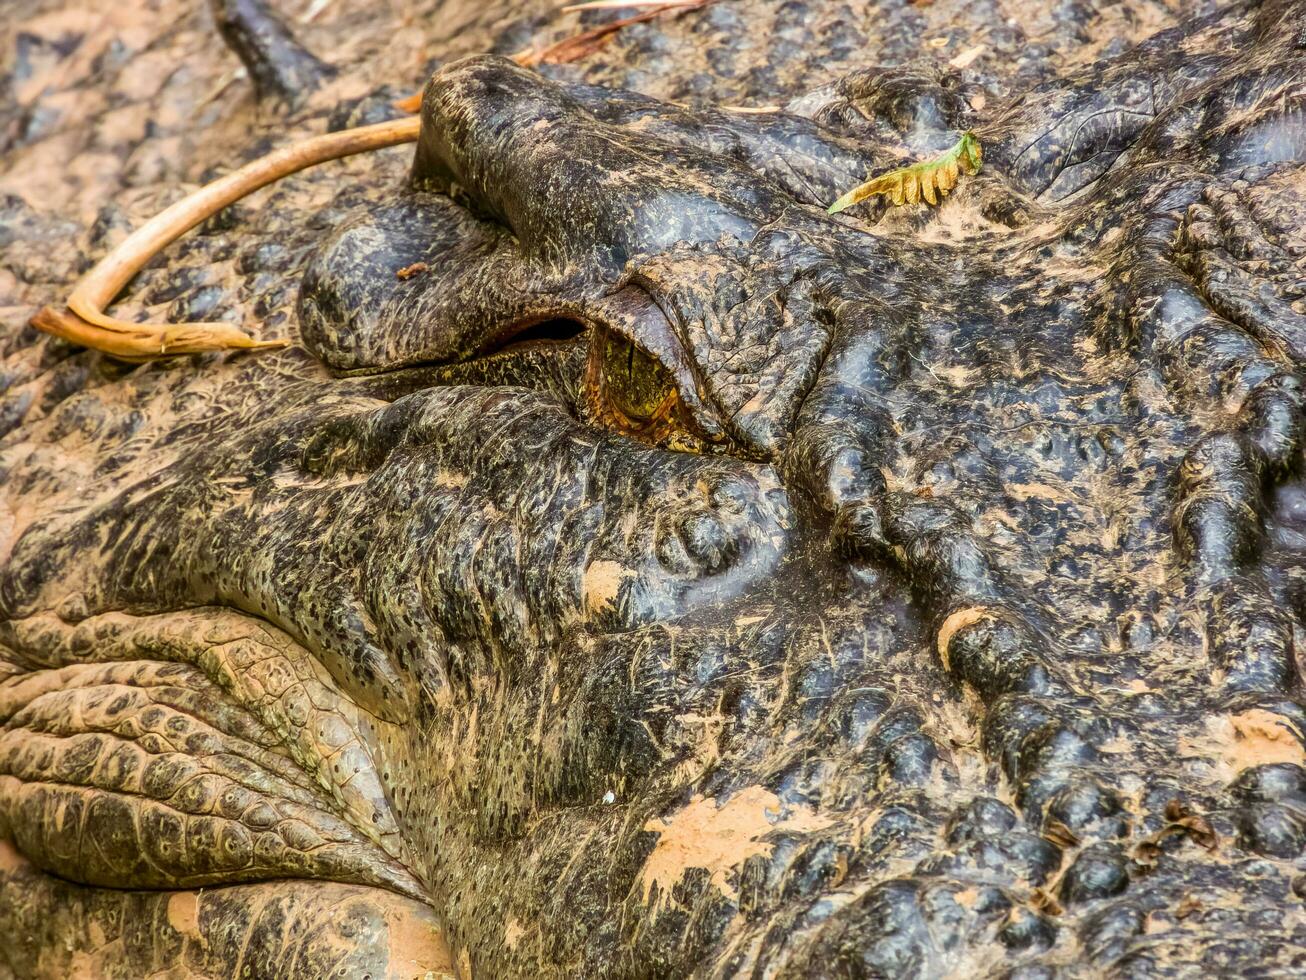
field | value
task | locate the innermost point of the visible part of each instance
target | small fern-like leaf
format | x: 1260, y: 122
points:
x: 930, y: 180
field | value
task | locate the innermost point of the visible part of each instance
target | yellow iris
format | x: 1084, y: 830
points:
x: 635, y: 384
x: 630, y: 390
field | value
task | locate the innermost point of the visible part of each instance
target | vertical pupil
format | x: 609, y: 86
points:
x: 636, y: 383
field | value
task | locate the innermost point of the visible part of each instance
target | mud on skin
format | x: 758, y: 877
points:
x: 962, y: 642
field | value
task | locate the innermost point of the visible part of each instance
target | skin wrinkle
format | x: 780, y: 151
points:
x: 90, y: 784
x: 1074, y: 141
x: 298, y: 687
x: 286, y: 821
x: 251, y: 754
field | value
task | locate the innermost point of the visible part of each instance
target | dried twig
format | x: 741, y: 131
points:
x: 587, y: 42
x: 84, y: 321
x: 626, y: 5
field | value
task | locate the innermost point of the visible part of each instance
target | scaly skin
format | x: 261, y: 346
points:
x: 967, y: 646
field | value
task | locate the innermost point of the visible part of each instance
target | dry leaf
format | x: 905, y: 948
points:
x: 1044, y: 901
x: 964, y: 59
x: 1059, y: 834
x: 411, y: 104
x: 1147, y: 851
x: 1180, y: 819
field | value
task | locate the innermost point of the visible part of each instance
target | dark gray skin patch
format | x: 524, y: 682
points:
x: 279, y: 66
x: 969, y: 646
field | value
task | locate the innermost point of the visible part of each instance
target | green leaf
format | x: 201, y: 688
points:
x: 929, y: 179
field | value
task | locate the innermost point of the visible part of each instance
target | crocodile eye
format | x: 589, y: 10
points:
x: 636, y: 385
x: 629, y: 390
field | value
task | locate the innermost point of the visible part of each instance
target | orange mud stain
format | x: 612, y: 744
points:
x: 601, y: 584
x: 1252, y: 738
x: 718, y: 839
x: 417, y: 945
x: 184, y: 913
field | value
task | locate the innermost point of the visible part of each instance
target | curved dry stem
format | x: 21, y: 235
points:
x: 84, y: 320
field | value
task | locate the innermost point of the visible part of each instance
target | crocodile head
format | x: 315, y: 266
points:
x: 652, y: 573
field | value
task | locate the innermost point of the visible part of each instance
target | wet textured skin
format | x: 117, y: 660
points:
x: 966, y: 645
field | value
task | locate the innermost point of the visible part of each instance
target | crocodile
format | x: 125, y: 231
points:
x: 628, y: 567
